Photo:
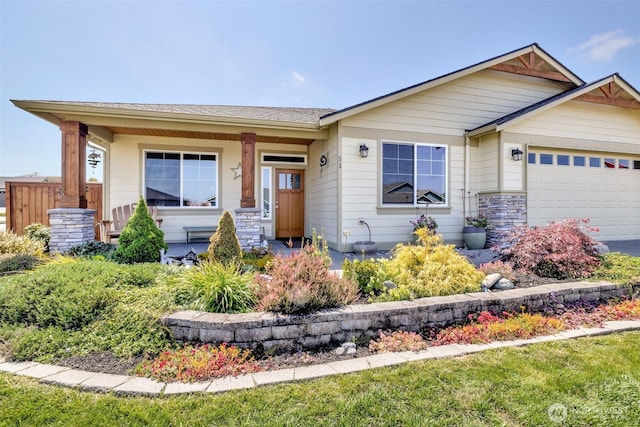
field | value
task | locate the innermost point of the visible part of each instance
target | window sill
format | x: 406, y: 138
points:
x: 412, y: 210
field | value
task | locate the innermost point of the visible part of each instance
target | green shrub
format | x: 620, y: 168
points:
x: 43, y: 344
x: 37, y: 308
x: 12, y: 263
x: 141, y: 240
x: 430, y: 268
x: 67, y: 295
x: 559, y: 250
x: 224, y: 246
x: 220, y: 288
x: 618, y: 268
x: 363, y: 272
x: 40, y: 232
x: 256, y: 259
x: 93, y: 249
x: 301, y: 283
x: 11, y: 243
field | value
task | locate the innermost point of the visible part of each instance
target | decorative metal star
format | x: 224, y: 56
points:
x: 237, y: 171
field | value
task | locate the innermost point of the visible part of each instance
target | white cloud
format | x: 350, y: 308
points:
x: 297, y: 79
x: 603, y: 47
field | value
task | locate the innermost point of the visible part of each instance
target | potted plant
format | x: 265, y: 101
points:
x: 424, y: 221
x: 474, y: 234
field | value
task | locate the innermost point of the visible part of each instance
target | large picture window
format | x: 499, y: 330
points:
x: 181, y: 179
x: 414, y: 174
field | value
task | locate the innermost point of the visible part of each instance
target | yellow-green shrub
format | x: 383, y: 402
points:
x: 11, y: 243
x: 430, y: 268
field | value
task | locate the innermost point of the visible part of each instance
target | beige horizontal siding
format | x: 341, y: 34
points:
x: 462, y: 104
x: 582, y: 120
x: 322, y: 189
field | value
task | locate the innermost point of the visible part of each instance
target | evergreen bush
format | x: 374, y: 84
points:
x: 430, y: 268
x: 363, y: 271
x: 224, y: 246
x: 10, y: 263
x: 141, y: 239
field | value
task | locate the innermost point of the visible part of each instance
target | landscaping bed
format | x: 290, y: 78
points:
x: 91, y: 313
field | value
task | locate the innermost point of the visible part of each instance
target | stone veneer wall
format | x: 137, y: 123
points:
x: 70, y: 227
x: 248, y: 227
x: 274, y: 331
x: 504, y: 211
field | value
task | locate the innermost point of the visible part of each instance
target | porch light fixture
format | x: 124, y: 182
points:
x: 516, y: 154
x: 364, y: 151
x: 93, y: 158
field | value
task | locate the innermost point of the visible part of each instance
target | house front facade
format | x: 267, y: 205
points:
x: 518, y: 137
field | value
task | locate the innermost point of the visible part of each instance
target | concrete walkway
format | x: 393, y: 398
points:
x: 630, y: 247
x: 137, y: 386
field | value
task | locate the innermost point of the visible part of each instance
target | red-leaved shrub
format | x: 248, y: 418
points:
x: 301, y: 283
x: 559, y: 250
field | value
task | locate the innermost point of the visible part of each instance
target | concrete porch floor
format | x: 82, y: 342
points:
x: 630, y: 247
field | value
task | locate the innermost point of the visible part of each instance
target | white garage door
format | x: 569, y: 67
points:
x: 571, y: 184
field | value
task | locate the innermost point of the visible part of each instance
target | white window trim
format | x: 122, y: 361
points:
x: 182, y: 153
x: 262, y: 187
x: 415, y: 175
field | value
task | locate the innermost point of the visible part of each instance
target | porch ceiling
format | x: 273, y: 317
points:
x: 172, y: 133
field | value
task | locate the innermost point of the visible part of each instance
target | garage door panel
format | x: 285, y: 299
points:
x: 609, y: 197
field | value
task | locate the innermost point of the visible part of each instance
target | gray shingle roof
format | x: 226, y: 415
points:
x: 280, y: 114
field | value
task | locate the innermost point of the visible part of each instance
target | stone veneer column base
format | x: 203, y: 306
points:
x: 248, y: 227
x: 70, y: 227
x: 505, y: 211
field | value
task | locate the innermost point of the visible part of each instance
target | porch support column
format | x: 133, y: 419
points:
x: 248, y: 170
x: 74, y: 143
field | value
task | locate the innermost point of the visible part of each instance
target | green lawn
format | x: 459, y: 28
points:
x: 596, y: 379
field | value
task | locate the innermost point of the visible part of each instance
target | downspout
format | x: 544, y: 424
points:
x: 467, y: 177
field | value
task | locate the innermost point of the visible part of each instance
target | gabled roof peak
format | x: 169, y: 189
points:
x: 529, y: 60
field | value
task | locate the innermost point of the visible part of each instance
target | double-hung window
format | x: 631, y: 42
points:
x: 414, y: 174
x: 181, y: 179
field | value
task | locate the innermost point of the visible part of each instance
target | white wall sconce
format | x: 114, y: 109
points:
x: 516, y: 154
x: 364, y: 151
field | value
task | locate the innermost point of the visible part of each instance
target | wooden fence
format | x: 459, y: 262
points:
x: 28, y: 202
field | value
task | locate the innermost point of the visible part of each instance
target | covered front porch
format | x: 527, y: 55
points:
x: 193, y: 163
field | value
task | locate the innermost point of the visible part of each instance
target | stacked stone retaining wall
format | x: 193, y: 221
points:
x: 286, y: 332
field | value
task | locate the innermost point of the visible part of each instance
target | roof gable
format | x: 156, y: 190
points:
x: 531, y: 60
x: 611, y: 90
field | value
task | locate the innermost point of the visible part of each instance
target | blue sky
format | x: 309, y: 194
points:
x: 304, y: 53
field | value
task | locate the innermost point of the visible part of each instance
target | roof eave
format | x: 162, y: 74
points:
x: 490, y: 128
x: 47, y: 110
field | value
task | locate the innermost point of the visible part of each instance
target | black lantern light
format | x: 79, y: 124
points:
x: 516, y: 154
x: 364, y: 151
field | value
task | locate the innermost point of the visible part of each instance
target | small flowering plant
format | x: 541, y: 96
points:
x: 424, y: 221
x: 480, y: 221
